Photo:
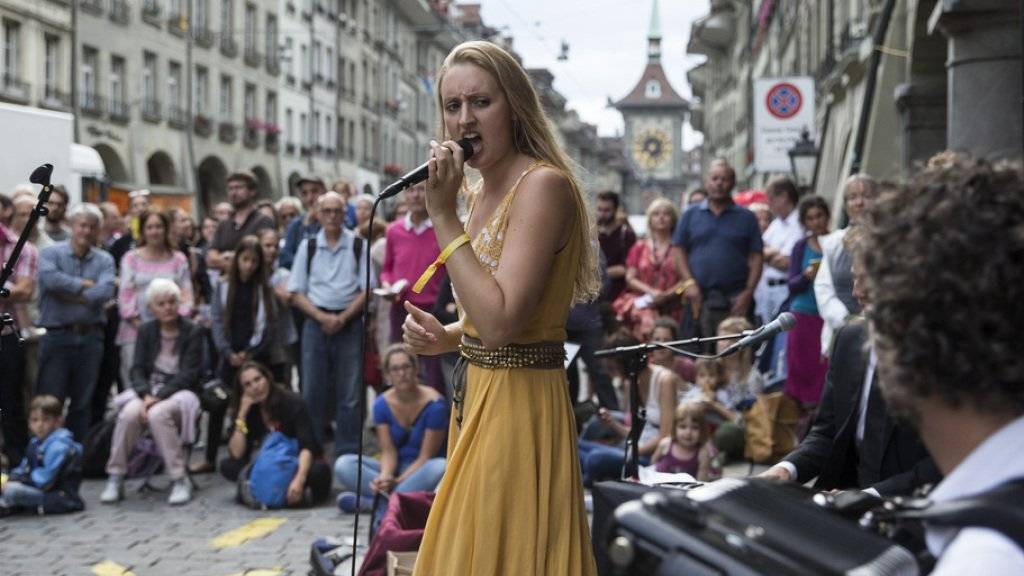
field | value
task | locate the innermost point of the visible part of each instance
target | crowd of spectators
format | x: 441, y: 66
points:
x: 253, y: 317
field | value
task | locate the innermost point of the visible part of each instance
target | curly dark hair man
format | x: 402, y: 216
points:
x: 944, y: 259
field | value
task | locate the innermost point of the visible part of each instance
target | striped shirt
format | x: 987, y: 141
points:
x: 25, y: 267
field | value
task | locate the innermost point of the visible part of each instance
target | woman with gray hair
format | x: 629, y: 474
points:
x: 164, y: 377
x: 833, y: 284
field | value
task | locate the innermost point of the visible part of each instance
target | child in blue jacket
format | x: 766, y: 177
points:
x: 48, y: 477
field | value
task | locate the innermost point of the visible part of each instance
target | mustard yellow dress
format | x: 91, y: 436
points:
x: 511, y: 501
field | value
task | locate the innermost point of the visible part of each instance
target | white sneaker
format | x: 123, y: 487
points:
x: 114, y: 490
x: 181, y: 492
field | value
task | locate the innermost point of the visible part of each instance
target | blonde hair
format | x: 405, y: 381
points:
x: 696, y: 412
x: 658, y: 204
x: 533, y: 136
x: 735, y: 325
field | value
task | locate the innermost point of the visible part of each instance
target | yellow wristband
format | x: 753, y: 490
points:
x: 441, y: 259
x: 240, y: 426
x: 685, y: 286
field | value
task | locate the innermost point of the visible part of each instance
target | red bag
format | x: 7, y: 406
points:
x: 401, y: 530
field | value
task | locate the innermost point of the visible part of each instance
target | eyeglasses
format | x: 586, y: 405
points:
x: 332, y: 211
x: 399, y: 368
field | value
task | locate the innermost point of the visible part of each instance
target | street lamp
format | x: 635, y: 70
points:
x: 803, y: 158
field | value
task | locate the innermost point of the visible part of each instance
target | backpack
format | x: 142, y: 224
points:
x: 145, y: 460
x: 357, y: 250
x: 96, y: 448
x: 770, y: 428
x: 273, y: 469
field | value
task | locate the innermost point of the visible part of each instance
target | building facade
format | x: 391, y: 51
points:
x: 176, y: 94
x: 896, y: 80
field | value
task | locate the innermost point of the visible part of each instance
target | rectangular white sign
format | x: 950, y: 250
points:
x: 783, y: 108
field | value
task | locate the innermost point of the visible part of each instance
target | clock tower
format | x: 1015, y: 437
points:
x: 653, y: 113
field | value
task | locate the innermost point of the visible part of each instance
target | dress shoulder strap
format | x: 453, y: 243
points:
x: 506, y: 202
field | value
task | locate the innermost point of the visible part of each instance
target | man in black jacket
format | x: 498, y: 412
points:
x: 854, y: 442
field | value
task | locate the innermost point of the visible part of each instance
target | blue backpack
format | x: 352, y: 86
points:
x: 273, y: 470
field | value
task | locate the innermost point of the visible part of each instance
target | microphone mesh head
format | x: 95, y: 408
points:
x: 787, y: 321
x: 467, y: 148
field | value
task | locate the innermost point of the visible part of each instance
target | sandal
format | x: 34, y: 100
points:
x: 201, y: 468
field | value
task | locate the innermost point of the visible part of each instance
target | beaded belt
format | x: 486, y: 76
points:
x: 539, y: 355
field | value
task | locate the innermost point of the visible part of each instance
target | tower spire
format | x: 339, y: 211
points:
x: 654, y: 34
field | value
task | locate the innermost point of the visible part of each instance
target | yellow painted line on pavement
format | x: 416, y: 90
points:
x: 260, y: 572
x: 108, y: 568
x: 242, y: 534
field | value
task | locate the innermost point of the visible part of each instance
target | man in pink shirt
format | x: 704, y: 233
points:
x: 410, y: 247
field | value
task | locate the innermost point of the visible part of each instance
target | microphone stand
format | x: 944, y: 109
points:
x: 41, y: 176
x: 636, y: 359
x: 362, y: 379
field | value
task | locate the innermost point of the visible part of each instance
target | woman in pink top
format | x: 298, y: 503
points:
x: 154, y: 257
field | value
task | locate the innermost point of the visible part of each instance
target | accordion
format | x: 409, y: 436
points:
x: 742, y: 527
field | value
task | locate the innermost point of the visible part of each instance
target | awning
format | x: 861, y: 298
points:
x: 86, y: 162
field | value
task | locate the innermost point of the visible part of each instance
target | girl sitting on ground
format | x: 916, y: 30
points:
x: 688, y: 450
x: 411, y: 421
x: 261, y: 406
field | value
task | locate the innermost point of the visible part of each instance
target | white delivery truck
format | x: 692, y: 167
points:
x: 30, y: 137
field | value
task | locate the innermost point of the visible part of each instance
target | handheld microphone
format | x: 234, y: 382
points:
x: 420, y: 174
x: 785, y: 321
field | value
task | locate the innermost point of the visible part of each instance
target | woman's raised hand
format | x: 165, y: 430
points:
x: 422, y: 332
x: 444, y: 178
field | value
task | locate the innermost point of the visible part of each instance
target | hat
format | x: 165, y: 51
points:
x: 312, y: 178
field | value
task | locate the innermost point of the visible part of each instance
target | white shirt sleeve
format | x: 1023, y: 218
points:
x: 980, y: 551
x: 830, y: 307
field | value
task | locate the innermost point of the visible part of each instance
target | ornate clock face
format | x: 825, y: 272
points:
x: 652, y: 148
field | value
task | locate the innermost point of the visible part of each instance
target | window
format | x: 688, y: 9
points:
x: 201, y: 93
x: 303, y: 131
x: 226, y: 97
x: 250, y: 101
x: 201, y: 14
x: 341, y: 135
x: 270, y: 109
x: 90, y: 60
x: 289, y: 126
x: 329, y: 64
x: 342, y: 74
x: 174, y: 9
x: 117, y: 77
x: 148, y: 76
x: 652, y: 89
x: 227, y: 18
x: 316, y: 59
x: 52, y: 70
x: 12, y: 49
x: 305, y: 63
x: 271, y: 39
x: 250, y: 28
x: 289, y: 56
x: 316, y: 128
x: 174, y: 86
x: 328, y: 128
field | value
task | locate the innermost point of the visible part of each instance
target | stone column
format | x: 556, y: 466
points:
x: 923, y: 121
x: 984, y: 74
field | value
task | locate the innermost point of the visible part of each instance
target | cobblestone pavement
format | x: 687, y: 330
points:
x: 145, y: 536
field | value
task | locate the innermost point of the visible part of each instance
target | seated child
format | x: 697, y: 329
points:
x: 48, y: 477
x: 688, y: 450
x: 710, y: 391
